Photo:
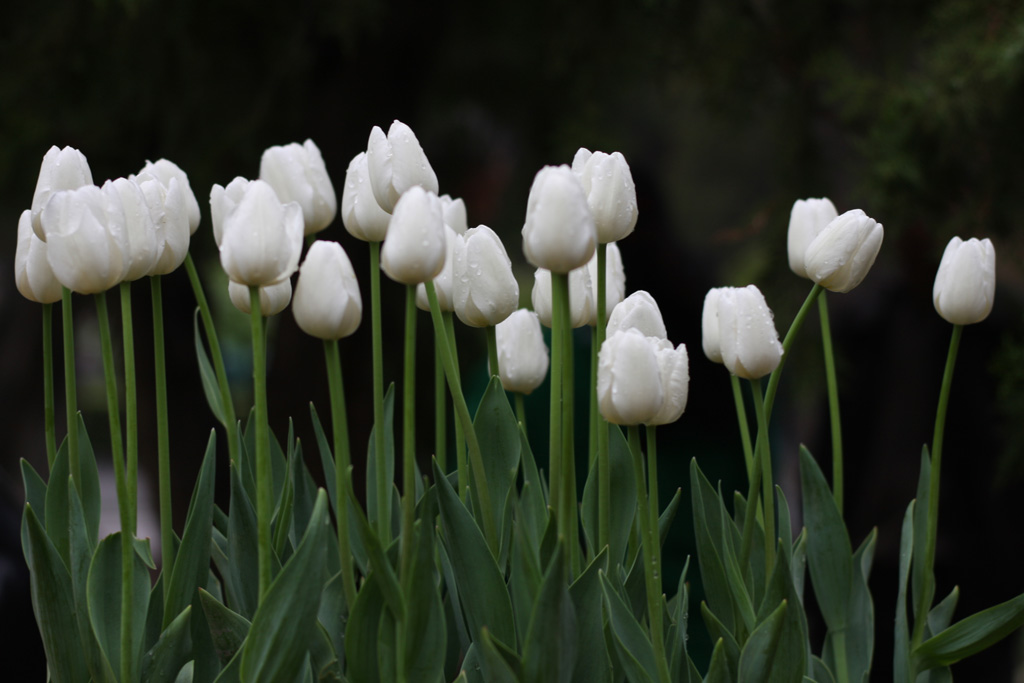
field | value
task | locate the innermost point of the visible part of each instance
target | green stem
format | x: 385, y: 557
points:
x: 70, y: 388
x: 833, y: 404
x: 163, y: 448
x: 570, y: 507
x: 652, y: 503
x: 461, y: 464
x: 409, y: 431
x: 462, y: 414
x: 440, y: 413
x: 593, y: 408
x: 520, y: 400
x: 492, y: 350
x: 604, y: 477
x: 787, y: 344
x: 123, y: 498
x: 741, y: 416
x: 342, y: 465
x: 928, y: 590
x: 767, y: 495
x: 651, y: 563
x: 131, y: 419
x: 217, y: 357
x: 49, y: 410
x: 264, y: 474
x: 383, y: 486
x: 751, y: 514
x: 555, y: 417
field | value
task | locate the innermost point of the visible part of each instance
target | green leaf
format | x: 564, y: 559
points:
x: 210, y: 386
x: 860, y: 641
x: 92, y: 497
x: 792, y: 649
x: 53, y: 603
x: 285, y: 622
x: 901, y: 646
x: 326, y: 457
x: 333, y: 614
x: 361, y: 633
x: 592, y: 662
x: 738, y: 588
x: 532, y: 499
x: 228, y: 629
x: 634, y: 650
x: 758, y: 655
x: 679, y: 660
x: 501, y: 448
x: 389, y: 456
x: 821, y: 672
x: 942, y: 614
x: 524, y: 579
x: 829, y: 555
x: 380, y: 565
x: 186, y: 673
x: 921, y: 534
x: 192, y: 561
x: 494, y: 660
x: 549, y: 652
x: 719, y: 671
x: 35, y: 488
x: 623, y: 497
x: 718, y: 631
x: 163, y: 662
x: 56, y: 514
x: 708, y: 532
x: 242, y: 578
x: 476, y: 573
x: 425, y: 646
x: 971, y: 635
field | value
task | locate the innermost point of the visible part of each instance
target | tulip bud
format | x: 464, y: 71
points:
x: 298, y: 174
x: 559, y: 233
x: 273, y: 298
x: 396, y: 163
x: 808, y: 218
x: 86, y: 239
x: 638, y: 310
x: 675, y: 380
x: 327, y: 302
x: 168, y: 207
x: 224, y: 200
x: 32, y: 272
x: 629, y: 390
x: 454, y: 214
x: 581, y: 296
x: 522, y: 354
x: 62, y: 169
x: 965, y: 285
x: 443, y: 283
x: 165, y: 171
x: 748, y: 342
x: 143, y: 248
x: 261, y: 238
x: 486, y: 290
x: 614, y: 281
x: 841, y: 255
x: 709, y: 325
x: 415, y: 250
x: 610, y: 192
x: 360, y: 212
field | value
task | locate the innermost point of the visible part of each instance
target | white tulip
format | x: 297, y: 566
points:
x: 360, y: 212
x: 224, y: 200
x: 614, y: 281
x: 486, y: 290
x: 86, y: 239
x: 169, y: 209
x: 840, y: 257
x: 32, y: 272
x: 629, y: 390
x: 261, y: 238
x: 62, y: 169
x: 298, y: 174
x: 454, y: 214
x: 638, y: 310
x: 143, y: 248
x: 273, y: 298
x: 581, y: 296
x: 559, y: 233
x: 748, y: 341
x: 711, y: 339
x: 165, y: 171
x: 522, y: 354
x: 396, y: 162
x: 675, y: 380
x: 965, y: 285
x: 807, y: 218
x: 608, y: 184
x: 415, y: 250
x: 443, y: 283
x: 327, y: 302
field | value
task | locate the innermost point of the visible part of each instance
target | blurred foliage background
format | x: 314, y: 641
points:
x: 727, y: 110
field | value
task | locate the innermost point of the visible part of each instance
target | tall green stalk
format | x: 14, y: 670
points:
x: 604, y: 477
x: 833, y: 403
x: 568, y: 500
x: 342, y: 466
x: 131, y: 419
x: 492, y: 350
x: 382, y: 484
x: 928, y: 589
x: 163, y: 448
x: 741, y: 417
x: 461, y: 464
x: 440, y: 413
x: 520, y: 401
x: 787, y: 344
x: 409, y: 431
x: 49, y: 409
x: 70, y: 386
x: 264, y: 474
x: 767, y: 495
x: 123, y: 496
x: 558, y: 283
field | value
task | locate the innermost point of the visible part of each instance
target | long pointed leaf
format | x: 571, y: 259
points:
x: 971, y: 635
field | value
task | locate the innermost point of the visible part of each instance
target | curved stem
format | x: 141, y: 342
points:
x: 70, y: 388
x: 833, y: 404
x: 49, y: 410
x: 408, y: 431
x: 131, y: 420
x: 787, y: 344
x: 264, y: 474
x: 163, y: 449
x: 928, y: 590
x: 741, y: 416
x: 767, y: 495
x: 342, y: 465
x: 382, y: 483
x: 440, y: 413
x: 461, y: 464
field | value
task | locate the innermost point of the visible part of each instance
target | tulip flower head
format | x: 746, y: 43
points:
x: 675, y: 380
x: 629, y: 389
x: 143, y: 248
x: 610, y: 192
x: 806, y: 220
x: 261, y: 239
x: 273, y: 298
x: 361, y: 214
x: 614, y: 281
x: 581, y: 296
x: 522, y: 354
x: 638, y: 310
x: 298, y: 174
x: 486, y: 290
x: 559, y: 233
x: 327, y: 302
x: 165, y: 171
x: 841, y: 255
x: 454, y: 214
x: 710, y: 338
x: 169, y: 209
x: 747, y: 339
x: 396, y: 162
x: 32, y: 272
x: 415, y: 248
x: 224, y: 200
x: 965, y: 285
x: 443, y: 283
x: 62, y: 169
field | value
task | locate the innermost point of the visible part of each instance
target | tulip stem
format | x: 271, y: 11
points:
x: 787, y: 343
x: 264, y: 484
x: 741, y: 416
x: 555, y: 416
x: 49, y: 411
x: 227, y: 403
x: 70, y: 389
x: 342, y: 466
x: 462, y: 413
x: 440, y: 413
x: 768, y: 492
x: 928, y: 590
x: 409, y: 431
x: 833, y: 403
x: 382, y: 483
x: 649, y: 543
x: 461, y: 464
x: 492, y: 350
x: 163, y: 449
x: 131, y: 419
x: 123, y: 499
x: 521, y: 411
x: 604, y: 477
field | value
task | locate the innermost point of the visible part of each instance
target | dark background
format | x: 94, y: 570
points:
x: 727, y: 112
